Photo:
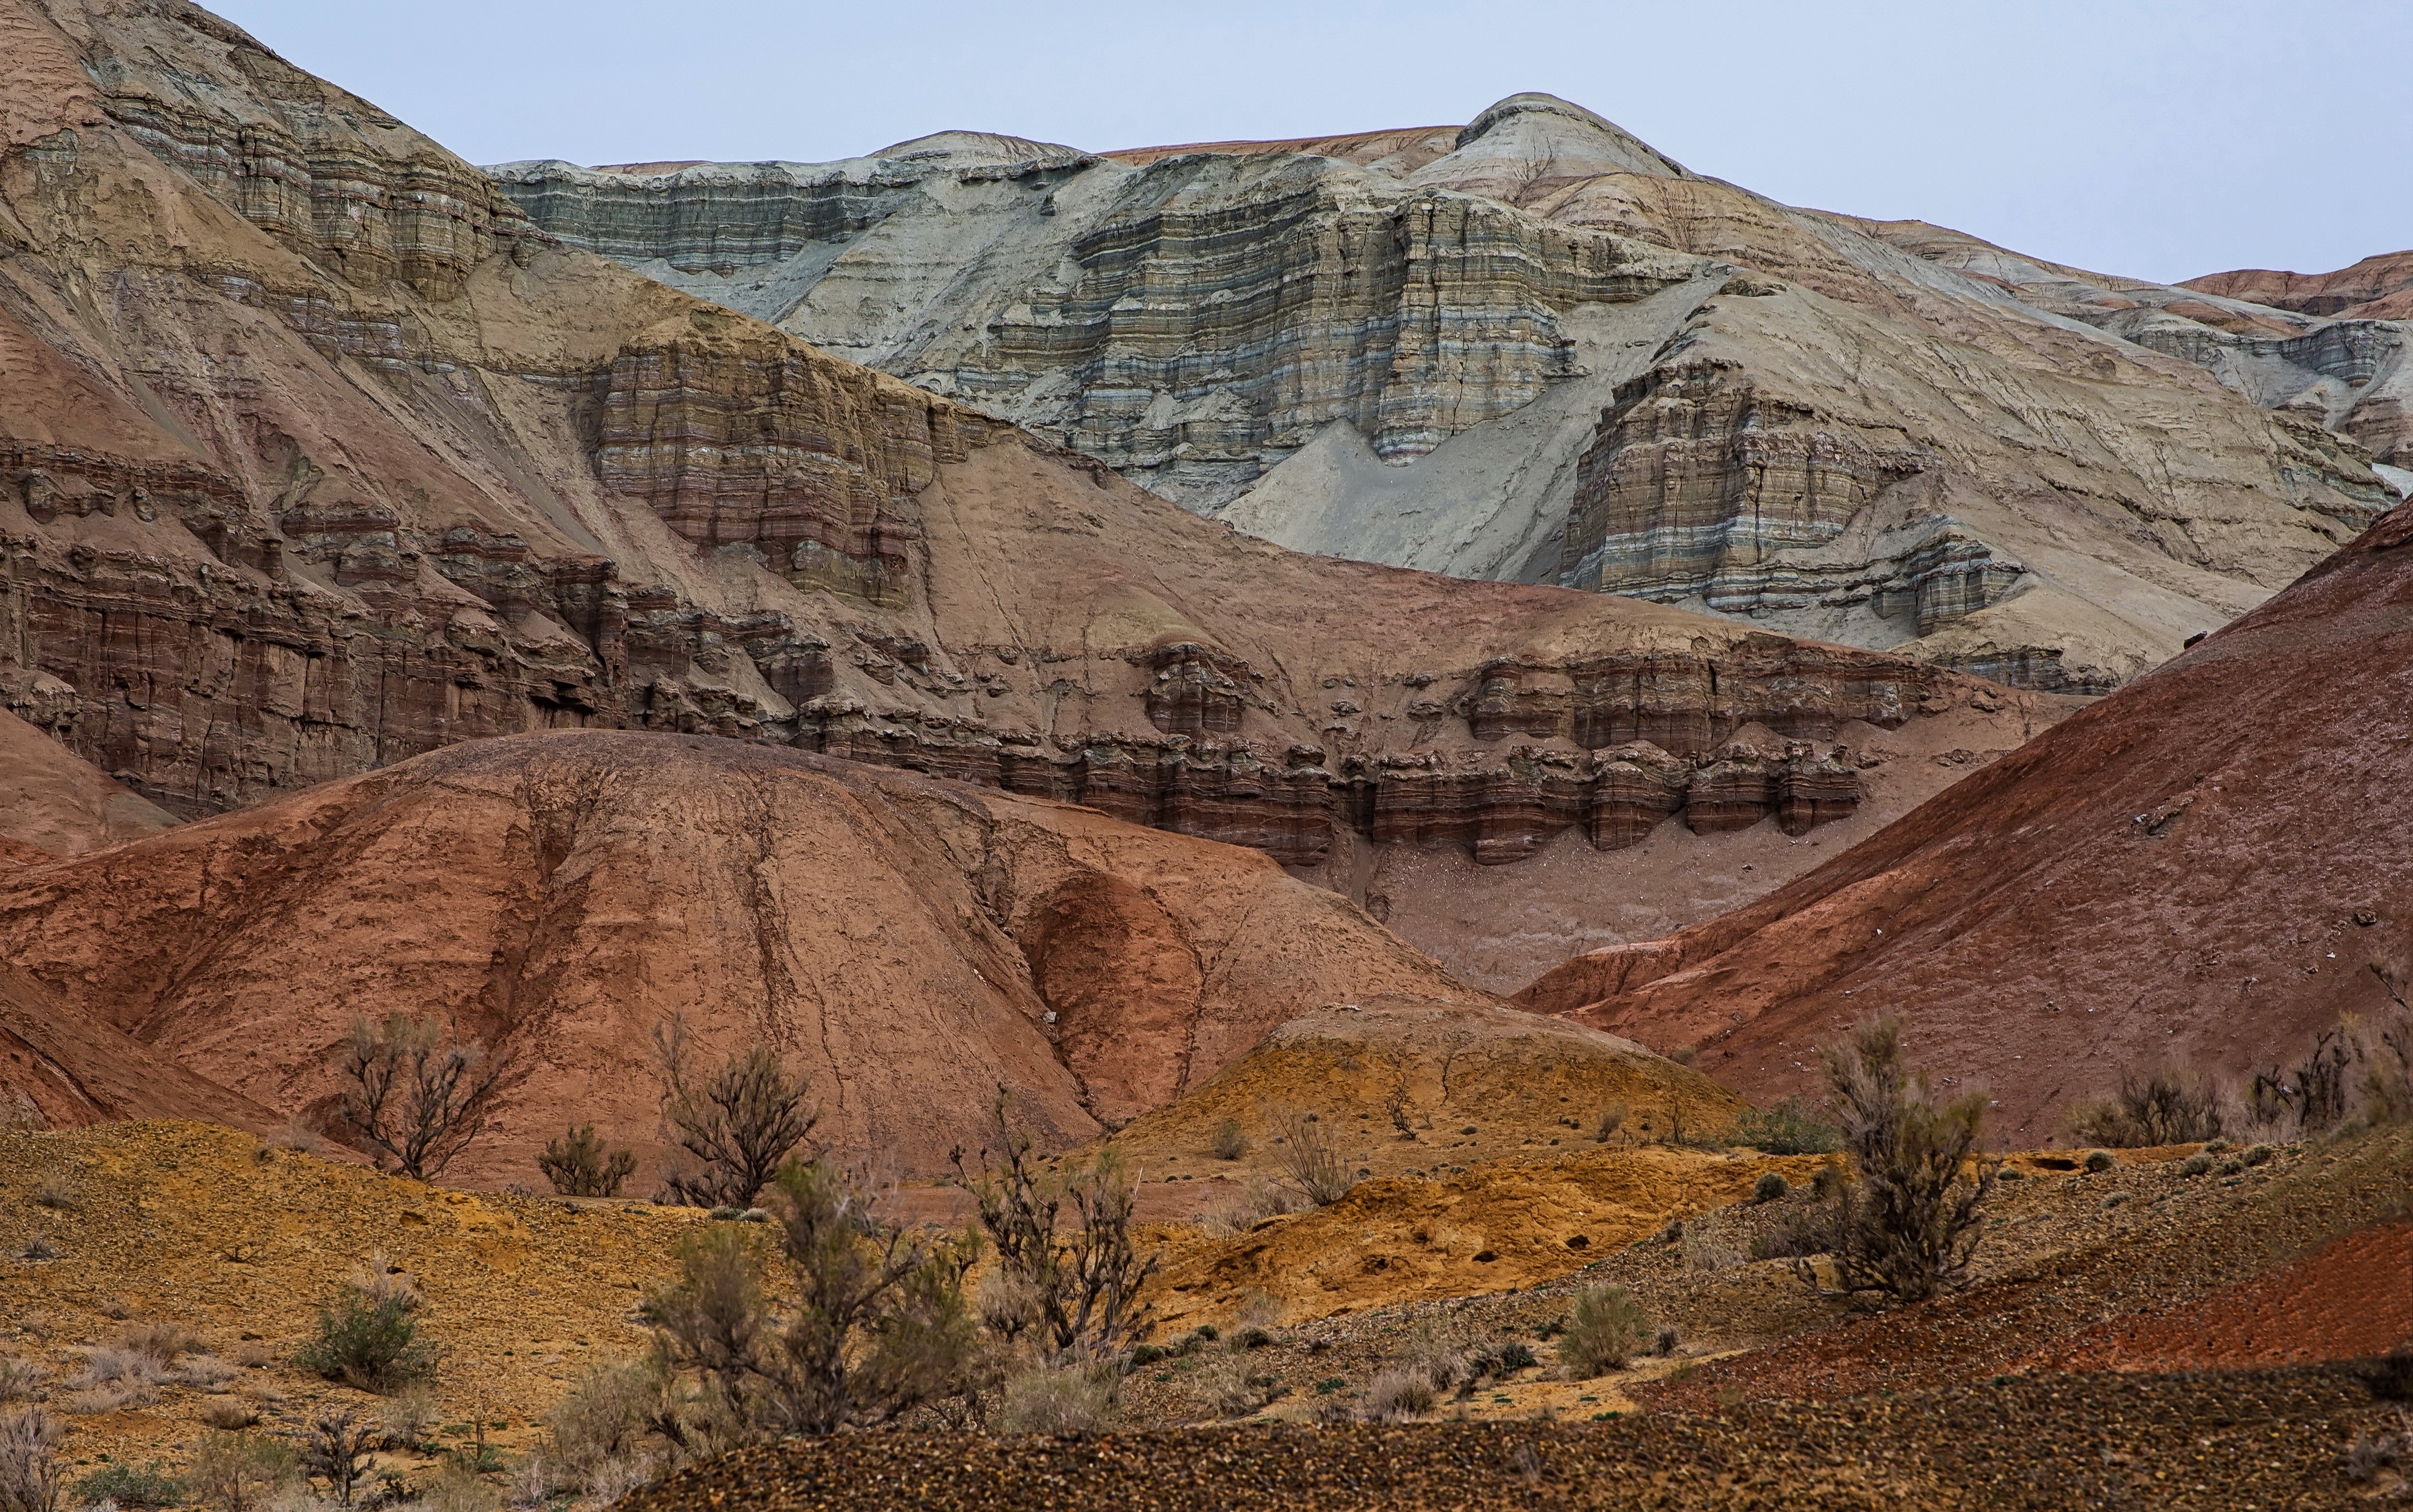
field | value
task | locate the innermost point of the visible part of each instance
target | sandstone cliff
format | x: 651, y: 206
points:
x: 2166, y: 874
x: 1536, y: 349
x: 315, y: 455
x: 911, y: 942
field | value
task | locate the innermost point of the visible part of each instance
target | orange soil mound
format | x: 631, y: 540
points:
x: 912, y: 943
x: 190, y: 1223
x: 2351, y: 1300
x: 1499, y: 1226
x: 1471, y: 1080
x: 2092, y: 901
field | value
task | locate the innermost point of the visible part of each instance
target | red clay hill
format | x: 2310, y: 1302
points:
x: 912, y: 943
x: 2204, y: 865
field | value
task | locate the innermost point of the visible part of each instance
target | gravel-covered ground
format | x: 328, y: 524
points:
x: 2227, y: 1441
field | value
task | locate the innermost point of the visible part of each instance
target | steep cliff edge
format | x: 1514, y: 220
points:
x: 2198, y: 867
x: 1536, y: 349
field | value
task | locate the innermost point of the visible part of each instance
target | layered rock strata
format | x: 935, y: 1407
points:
x: 317, y: 456
x: 1535, y: 350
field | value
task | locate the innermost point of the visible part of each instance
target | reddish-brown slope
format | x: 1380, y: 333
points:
x: 55, y: 802
x: 71, y: 1067
x: 2202, y: 865
x: 912, y: 943
x: 2376, y: 288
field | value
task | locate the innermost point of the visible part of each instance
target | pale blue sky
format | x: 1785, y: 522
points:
x: 2152, y: 138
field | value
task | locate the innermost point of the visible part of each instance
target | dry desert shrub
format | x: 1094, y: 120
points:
x: 116, y: 1365
x: 1908, y: 1227
x: 409, y: 1417
x: 254, y: 1355
x: 1611, y: 1119
x: 1315, y: 1169
x: 1710, y: 1245
x: 21, y: 1380
x: 1442, y: 1364
x: 741, y: 1119
x: 339, y: 1448
x: 1255, y: 1202
x: 228, y: 1415
x: 457, y: 1488
x: 578, y: 1165
x: 1606, y: 1328
x: 862, y: 1324
x: 233, y: 1471
x: 1227, y: 1386
x: 41, y: 1246
x: 29, y: 1459
x: 1230, y: 1141
x: 416, y: 1091
x: 616, y: 1478
x: 206, y: 1373
x: 379, y: 1280
x: 2168, y: 1105
x: 1066, y: 1399
x: 1086, y: 1274
x: 57, y: 1188
x: 301, y: 1138
x: 1399, y: 1395
x: 163, y: 1343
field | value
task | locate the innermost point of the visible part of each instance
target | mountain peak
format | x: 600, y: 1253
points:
x: 1537, y: 125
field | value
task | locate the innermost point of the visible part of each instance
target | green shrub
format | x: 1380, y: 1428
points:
x: 374, y: 1345
x: 2259, y: 1155
x: 129, y: 1486
x: 1770, y: 1187
x: 1789, y: 1128
x: 2170, y: 1106
x: 1515, y: 1355
x: 2100, y: 1160
x: 2195, y: 1166
x: 1606, y: 1328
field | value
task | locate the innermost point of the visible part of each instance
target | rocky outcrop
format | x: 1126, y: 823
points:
x: 1534, y: 349
x: 2073, y: 911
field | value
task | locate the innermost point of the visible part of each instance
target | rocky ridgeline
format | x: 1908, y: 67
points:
x: 1534, y: 350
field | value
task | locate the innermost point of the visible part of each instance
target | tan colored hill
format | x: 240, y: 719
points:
x: 911, y: 944
x: 2196, y: 868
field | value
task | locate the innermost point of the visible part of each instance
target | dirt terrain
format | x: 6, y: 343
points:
x: 1769, y: 1391
x: 2185, y: 870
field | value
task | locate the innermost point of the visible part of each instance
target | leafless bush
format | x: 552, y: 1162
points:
x: 1399, y: 1395
x: 1231, y: 1141
x: 2168, y: 1105
x: 301, y: 1138
x: 741, y: 1119
x: 234, y: 1472
x: 1086, y: 1274
x: 578, y: 1165
x: 58, y: 1187
x: 1605, y: 1329
x: 41, y: 1246
x: 339, y: 1448
x: 872, y: 1323
x: 1666, y: 1341
x: 616, y: 1478
x: 1611, y: 1119
x: 21, y: 1379
x: 1315, y: 1169
x: 1909, y: 1225
x: 1062, y: 1399
x: 414, y: 1093
x: 2378, y: 1450
x: 29, y: 1459
x: 1255, y: 1202
x: 1008, y: 1303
